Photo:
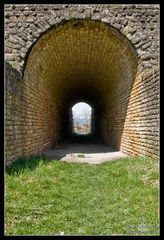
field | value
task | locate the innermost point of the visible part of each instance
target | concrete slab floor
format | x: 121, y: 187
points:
x: 85, y: 153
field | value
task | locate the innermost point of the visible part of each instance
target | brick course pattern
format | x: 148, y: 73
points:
x: 57, y: 55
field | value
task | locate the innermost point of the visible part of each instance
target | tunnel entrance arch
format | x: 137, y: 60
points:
x: 85, y: 60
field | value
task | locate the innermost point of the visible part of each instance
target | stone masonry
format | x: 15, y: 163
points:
x: 57, y: 55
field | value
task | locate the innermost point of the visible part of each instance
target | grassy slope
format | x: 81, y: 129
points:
x: 119, y: 197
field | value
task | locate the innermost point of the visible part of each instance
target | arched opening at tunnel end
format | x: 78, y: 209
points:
x: 82, y: 118
x: 81, y: 122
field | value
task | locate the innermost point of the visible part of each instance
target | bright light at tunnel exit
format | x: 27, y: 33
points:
x: 82, y: 113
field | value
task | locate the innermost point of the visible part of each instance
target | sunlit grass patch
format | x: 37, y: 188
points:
x: 114, y: 198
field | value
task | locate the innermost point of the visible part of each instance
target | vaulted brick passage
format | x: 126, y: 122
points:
x: 74, y: 61
x: 80, y: 60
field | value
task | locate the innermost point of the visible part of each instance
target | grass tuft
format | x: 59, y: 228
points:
x: 81, y: 155
x: 25, y: 164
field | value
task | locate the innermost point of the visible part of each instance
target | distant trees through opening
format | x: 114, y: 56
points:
x: 82, y: 118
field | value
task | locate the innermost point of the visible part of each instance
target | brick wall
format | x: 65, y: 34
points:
x: 109, y: 58
x: 138, y: 133
x: 141, y: 128
x: 31, y: 118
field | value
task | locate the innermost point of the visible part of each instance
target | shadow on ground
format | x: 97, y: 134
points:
x: 83, y: 138
x: 81, y: 148
x: 25, y: 164
x: 94, y: 153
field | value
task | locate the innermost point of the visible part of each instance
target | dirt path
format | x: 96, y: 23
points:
x: 85, y: 153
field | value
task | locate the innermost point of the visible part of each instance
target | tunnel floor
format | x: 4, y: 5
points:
x: 83, y: 138
x: 94, y: 153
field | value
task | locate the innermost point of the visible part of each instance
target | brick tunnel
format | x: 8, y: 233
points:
x: 79, y: 60
x: 59, y: 55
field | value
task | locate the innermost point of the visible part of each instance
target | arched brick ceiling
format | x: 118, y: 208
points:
x: 82, y: 60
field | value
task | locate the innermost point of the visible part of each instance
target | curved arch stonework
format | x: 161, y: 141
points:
x: 139, y: 23
x: 113, y: 51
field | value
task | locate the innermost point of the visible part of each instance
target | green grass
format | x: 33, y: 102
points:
x: 114, y: 198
